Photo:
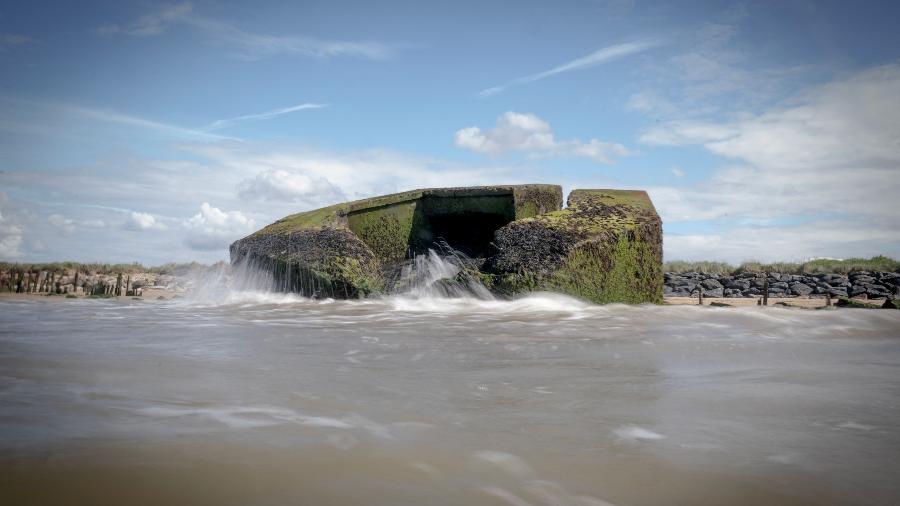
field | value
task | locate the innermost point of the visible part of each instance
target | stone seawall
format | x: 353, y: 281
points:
x: 872, y: 285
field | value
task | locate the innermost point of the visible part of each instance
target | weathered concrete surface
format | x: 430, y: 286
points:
x: 604, y: 247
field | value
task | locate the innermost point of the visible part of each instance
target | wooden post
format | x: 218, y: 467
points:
x: 75, y: 284
x: 765, y: 300
x: 828, y: 299
x: 700, y: 297
x: 128, y: 286
x: 119, y: 284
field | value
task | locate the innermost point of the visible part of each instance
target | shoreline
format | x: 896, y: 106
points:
x: 148, y: 294
x: 808, y: 303
x: 792, y: 302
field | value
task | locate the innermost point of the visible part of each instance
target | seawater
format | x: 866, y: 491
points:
x: 237, y: 396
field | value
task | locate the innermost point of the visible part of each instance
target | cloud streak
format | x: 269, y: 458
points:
x: 246, y: 45
x: 10, y: 40
x: 599, y: 56
x: 110, y: 116
x: 154, y: 23
x: 225, y: 123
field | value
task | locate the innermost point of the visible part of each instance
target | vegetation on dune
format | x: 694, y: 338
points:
x: 716, y: 268
x: 819, y: 266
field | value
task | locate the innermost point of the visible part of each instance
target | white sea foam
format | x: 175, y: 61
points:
x: 635, y: 433
x: 855, y: 425
x: 507, y: 462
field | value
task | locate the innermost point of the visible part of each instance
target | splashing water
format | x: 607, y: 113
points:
x: 444, y: 275
x: 435, y: 274
x: 442, y: 394
x: 430, y: 398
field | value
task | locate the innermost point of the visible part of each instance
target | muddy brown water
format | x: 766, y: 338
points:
x: 262, y: 399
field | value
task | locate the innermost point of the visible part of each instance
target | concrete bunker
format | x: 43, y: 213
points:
x: 465, y: 223
x: 398, y: 226
x: 605, y: 246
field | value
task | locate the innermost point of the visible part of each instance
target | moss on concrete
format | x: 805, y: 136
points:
x: 385, y: 229
x: 325, y: 262
x: 528, y: 200
x: 605, y: 247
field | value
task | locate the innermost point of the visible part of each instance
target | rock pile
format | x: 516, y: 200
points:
x: 873, y: 285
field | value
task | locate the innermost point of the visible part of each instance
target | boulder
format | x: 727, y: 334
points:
x: 738, y: 284
x: 715, y: 292
x: 801, y: 289
x: 838, y: 291
x: 856, y: 290
x: 877, y: 291
x: 711, y: 284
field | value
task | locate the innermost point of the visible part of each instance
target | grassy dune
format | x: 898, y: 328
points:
x: 877, y: 263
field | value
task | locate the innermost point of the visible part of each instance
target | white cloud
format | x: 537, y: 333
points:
x: 677, y: 133
x: 213, y: 228
x: 10, y: 242
x: 246, y: 45
x: 65, y: 225
x: 313, y: 177
x: 709, y: 74
x: 10, y: 232
x: 830, y: 160
x: 837, y: 150
x: 850, y: 238
x: 223, y: 123
x: 143, y: 221
x: 599, y: 56
x: 287, y: 186
x: 532, y: 135
x: 10, y: 40
x: 154, y: 23
x: 93, y: 223
x: 677, y: 171
x: 231, y: 175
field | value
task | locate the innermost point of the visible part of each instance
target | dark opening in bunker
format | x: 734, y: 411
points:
x: 469, y: 233
x: 465, y: 223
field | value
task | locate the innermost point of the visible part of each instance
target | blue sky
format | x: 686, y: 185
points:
x: 155, y: 132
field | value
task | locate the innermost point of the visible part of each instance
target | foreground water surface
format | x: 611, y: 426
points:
x: 261, y: 399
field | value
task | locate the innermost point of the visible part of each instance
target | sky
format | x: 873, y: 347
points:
x: 160, y: 132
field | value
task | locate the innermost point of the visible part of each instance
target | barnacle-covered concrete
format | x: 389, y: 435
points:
x: 605, y: 246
